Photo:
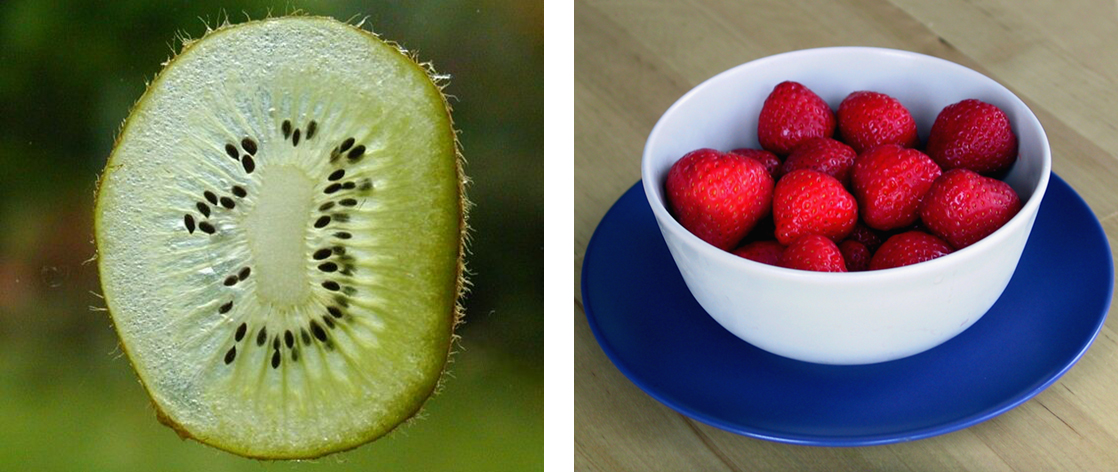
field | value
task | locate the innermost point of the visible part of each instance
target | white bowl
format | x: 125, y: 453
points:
x: 843, y: 318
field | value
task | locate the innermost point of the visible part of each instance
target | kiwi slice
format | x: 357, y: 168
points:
x: 280, y: 230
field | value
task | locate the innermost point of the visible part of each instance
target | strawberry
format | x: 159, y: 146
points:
x: 963, y: 207
x: 869, y: 119
x: 974, y: 135
x: 813, y: 252
x: 791, y: 114
x: 824, y: 155
x: 810, y: 202
x: 865, y: 235
x: 856, y: 255
x: 908, y: 248
x: 889, y: 181
x: 718, y: 197
x: 765, y: 252
x: 766, y: 158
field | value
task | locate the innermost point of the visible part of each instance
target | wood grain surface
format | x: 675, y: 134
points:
x: 633, y: 59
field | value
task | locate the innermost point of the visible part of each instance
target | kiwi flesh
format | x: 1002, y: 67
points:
x: 280, y: 231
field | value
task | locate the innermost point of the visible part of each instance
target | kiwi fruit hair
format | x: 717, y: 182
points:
x: 281, y: 233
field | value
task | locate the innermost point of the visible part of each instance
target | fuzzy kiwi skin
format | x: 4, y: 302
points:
x: 460, y: 286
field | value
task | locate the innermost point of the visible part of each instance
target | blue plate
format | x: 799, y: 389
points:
x: 655, y: 332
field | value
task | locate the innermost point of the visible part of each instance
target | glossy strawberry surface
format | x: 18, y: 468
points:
x: 813, y: 252
x: 766, y: 252
x: 963, y: 207
x: 825, y: 155
x: 766, y: 158
x: 870, y: 119
x: 717, y: 196
x: 911, y: 247
x: 810, y: 202
x: 974, y: 135
x: 791, y: 114
x: 889, y: 183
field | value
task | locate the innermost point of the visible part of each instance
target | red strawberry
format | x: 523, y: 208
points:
x: 765, y: 252
x: 791, y: 114
x: 824, y: 155
x: 869, y: 119
x: 972, y: 135
x: 718, y: 197
x: 810, y: 202
x: 813, y: 252
x: 865, y: 235
x: 889, y: 182
x: 766, y: 158
x: 856, y: 255
x: 963, y: 207
x: 908, y: 248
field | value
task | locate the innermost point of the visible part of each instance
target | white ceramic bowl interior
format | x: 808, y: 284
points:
x: 843, y: 318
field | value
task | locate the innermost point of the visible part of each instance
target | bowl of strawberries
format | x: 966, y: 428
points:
x: 846, y: 205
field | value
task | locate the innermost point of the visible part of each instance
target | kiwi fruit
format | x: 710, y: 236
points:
x: 280, y: 229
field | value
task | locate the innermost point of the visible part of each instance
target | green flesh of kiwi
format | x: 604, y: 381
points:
x: 280, y: 230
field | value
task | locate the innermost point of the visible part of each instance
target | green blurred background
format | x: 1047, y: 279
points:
x: 70, y: 70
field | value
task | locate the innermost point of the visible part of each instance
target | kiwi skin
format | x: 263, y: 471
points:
x: 461, y: 284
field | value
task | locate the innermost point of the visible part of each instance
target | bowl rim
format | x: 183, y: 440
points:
x: 1021, y: 219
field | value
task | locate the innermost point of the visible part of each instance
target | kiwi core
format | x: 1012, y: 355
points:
x: 277, y: 230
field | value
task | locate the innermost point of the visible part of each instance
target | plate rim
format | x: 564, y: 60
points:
x: 852, y: 441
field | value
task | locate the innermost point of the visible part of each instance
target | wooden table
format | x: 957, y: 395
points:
x: 633, y: 59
